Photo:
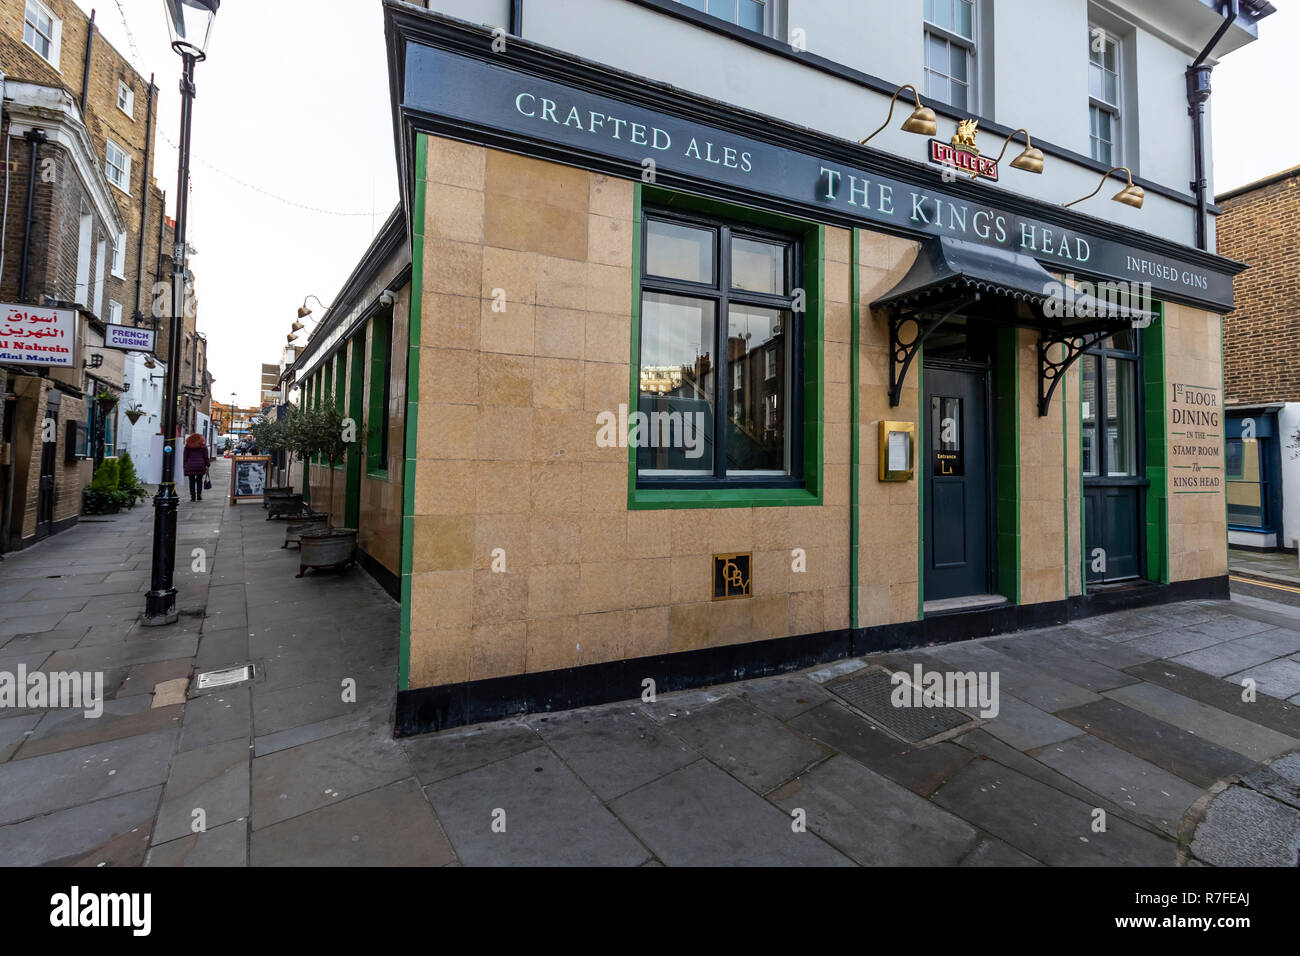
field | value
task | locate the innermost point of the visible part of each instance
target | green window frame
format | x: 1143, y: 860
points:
x: 803, y: 487
x: 381, y: 367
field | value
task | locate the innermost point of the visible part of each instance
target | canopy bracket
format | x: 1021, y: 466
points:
x: 902, y: 354
x: 1050, y: 372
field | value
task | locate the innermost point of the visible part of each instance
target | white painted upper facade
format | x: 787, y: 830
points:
x: 1028, y: 63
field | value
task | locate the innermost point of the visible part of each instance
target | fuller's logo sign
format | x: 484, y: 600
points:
x: 963, y: 154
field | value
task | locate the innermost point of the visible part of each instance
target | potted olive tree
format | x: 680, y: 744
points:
x: 269, y: 434
x: 295, y: 434
x: 323, y: 434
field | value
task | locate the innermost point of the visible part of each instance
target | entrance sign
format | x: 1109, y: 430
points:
x: 473, y: 94
x: 248, y: 476
x: 1195, y: 440
x: 129, y: 338
x: 34, y: 335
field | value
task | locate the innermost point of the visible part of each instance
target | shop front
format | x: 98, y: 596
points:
x: 694, y: 396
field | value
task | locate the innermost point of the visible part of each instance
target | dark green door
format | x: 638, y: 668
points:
x: 1113, y: 491
x: 356, y: 398
x: 956, y: 483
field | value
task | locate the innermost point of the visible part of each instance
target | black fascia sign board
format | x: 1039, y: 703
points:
x: 466, y: 91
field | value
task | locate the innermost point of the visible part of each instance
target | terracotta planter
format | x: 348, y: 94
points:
x: 327, y: 548
x: 294, y: 527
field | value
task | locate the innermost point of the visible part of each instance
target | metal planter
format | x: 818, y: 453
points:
x: 290, y: 506
x: 275, y: 494
x: 327, y: 548
x: 295, y: 526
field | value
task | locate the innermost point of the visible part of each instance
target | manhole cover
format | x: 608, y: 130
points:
x: 871, y: 693
x: 227, y: 675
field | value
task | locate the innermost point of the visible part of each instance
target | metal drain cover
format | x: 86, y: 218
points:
x: 871, y: 692
x: 225, y: 676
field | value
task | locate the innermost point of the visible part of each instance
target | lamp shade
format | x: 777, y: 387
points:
x: 303, y: 311
x: 190, y: 25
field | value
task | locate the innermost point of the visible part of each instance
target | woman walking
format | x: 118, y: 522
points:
x: 195, y: 464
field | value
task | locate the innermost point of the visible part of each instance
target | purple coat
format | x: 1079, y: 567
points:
x: 195, y: 460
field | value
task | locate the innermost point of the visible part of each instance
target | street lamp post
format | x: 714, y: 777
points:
x: 190, y: 25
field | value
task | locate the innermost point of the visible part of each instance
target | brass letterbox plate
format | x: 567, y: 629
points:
x: 897, y: 451
x: 731, y: 576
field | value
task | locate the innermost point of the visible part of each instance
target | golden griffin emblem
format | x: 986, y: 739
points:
x: 965, y: 136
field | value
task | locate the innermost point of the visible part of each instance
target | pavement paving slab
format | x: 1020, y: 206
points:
x: 993, y: 852
x: 1129, y: 781
x: 226, y: 845
x: 40, y: 785
x: 921, y: 770
x: 612, y: 751
x: 1221, y: 695
x: 206, y: 787
x: 389, y: 826
x: 702, y: 816
x: 755, y: 748
x: 1235, y: 733
x: 439, y: 756
x: 1171, y: 748
x: 294, y: 781
x: 532, y: 810
x: 1280, y: 678
x: 1025, y: 727
x: 66, y: 835
x: 1047, y: 824
x: 873, y: 820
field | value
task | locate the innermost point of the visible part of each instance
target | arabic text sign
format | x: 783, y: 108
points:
x: 33, y: 335
x: 128, y: 337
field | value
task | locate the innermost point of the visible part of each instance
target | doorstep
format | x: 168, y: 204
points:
x: 967, y: 602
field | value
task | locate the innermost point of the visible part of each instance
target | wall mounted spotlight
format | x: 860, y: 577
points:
x: 1130, y: 195
x: 922, y: 121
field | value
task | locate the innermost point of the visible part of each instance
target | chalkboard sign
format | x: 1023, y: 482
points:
x: 248, y: 476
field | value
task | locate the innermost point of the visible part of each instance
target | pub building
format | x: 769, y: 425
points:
x: 673, y: 387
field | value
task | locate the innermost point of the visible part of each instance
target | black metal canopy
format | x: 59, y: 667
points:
x: 952, y: 277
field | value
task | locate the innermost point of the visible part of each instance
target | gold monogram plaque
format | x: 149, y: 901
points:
x: 731, y: 576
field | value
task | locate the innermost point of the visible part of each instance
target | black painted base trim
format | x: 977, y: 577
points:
x: 61, y: 525
x: 389, y: 581
x: 427, y: 709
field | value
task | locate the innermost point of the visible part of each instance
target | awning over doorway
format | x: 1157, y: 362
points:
x: 952, y: 277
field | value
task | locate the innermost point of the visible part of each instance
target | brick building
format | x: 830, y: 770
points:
x: 79, y: 131
x: 1260, y: 225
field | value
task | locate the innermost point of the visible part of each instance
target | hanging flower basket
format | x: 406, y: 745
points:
x: 105, y: 401
x: 135, y: 414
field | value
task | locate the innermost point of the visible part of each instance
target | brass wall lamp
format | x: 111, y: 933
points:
x: 922, y: 121
x: 1130, y: 195
x: 1031, y: 160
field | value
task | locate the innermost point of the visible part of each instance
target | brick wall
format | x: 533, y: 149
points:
x: 1261, y: 345
x: 104, y: 120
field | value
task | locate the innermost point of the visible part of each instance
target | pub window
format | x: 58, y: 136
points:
x: 1104, y: 95
x: 753, y: 15
x: 381, y: 371
x: 1109, y: 408
x: 950, y: 51
x: 719, y: 378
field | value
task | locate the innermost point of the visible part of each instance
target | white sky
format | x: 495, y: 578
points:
x: 294, y: 98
